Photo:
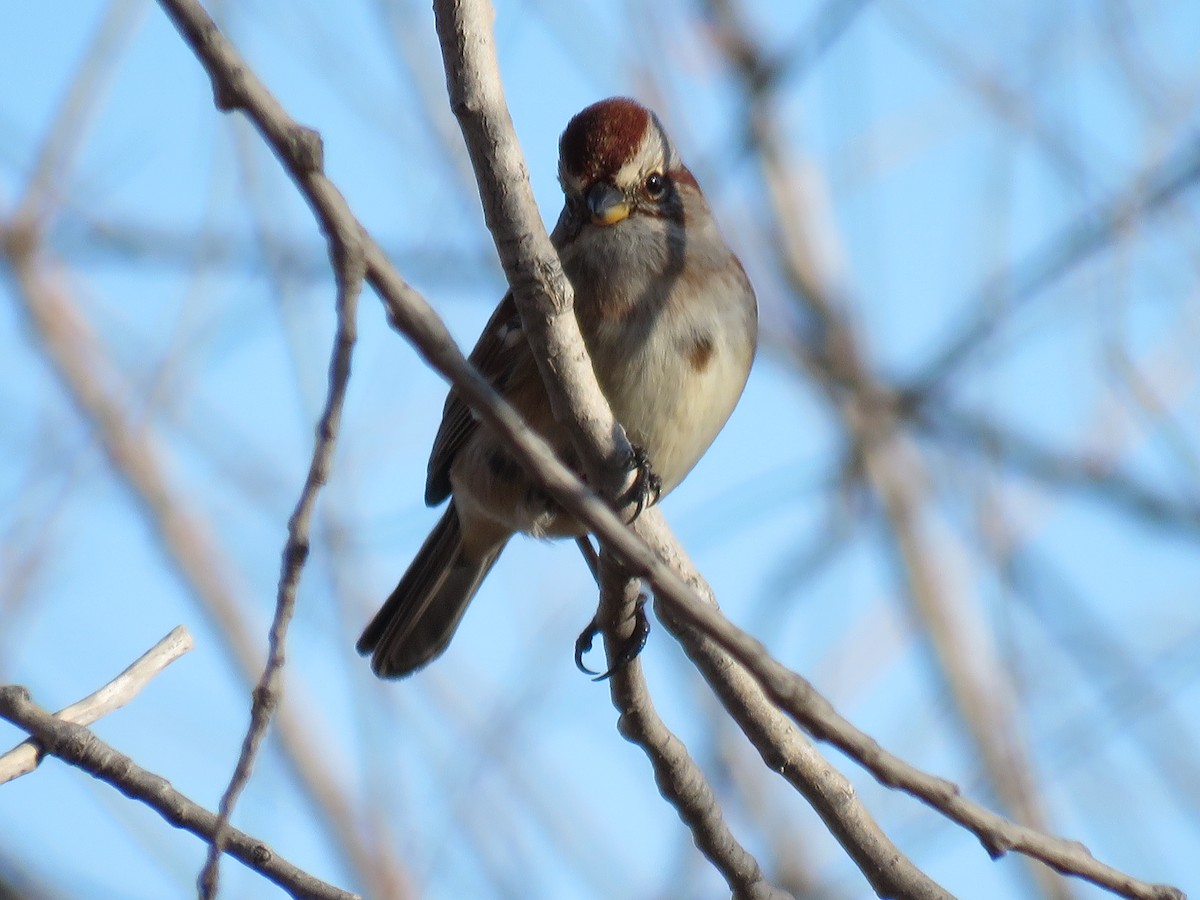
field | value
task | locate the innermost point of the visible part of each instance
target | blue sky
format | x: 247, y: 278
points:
x: 933, y: 145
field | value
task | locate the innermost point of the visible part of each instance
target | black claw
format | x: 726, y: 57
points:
x: 647, y: 486
x: 583, y: 644
x: 629, y: 650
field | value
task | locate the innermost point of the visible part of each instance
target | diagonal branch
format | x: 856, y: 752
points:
x: 866, y: 412
x: 782, y: 747
x: 511, y: 214
x: 802, y: 702
x: 76, y: 745
x: 1096, y: 477
x: 80, y: 361
x: 542, y: 293
x: 26, y: 756
x: 236, y: 87
x: 679, y: 778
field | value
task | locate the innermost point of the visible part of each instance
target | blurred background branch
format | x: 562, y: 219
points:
x: 962, y: 491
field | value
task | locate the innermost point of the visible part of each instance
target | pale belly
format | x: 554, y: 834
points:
x: 672, y: 408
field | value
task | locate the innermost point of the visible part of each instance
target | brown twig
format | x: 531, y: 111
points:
x: 409, y: 313
x: 544, y: 300
x: 680, y: 779
x: 349, y: 266
x: 77, y: 745
x: 868, y: 415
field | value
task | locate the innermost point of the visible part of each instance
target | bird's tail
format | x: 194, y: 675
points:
x: 416, y: 623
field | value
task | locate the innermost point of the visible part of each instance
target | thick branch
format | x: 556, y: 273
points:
x: 864, y: 404
x: 784, y: 749
x: 542, y: 293
x: 409, y: 312
x: 474, y: 82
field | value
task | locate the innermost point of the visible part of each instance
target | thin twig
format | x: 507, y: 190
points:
x: 1098, y: 476
x: 1086, y: 235
x: 349, y: 266
x: 236, y: 87
x: 77, y: 745
x: 543, y: 298
x: 64, y: 140
x: 680, y: 779
x: 26, y: 756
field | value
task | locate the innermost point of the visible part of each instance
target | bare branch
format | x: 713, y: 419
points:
x: 800, y: 700
x: 409, y: 312
x: 77, y: 745
x: 349, y: 266
x: 542, y: 293
x: 26, y: 756
x: 782, y: 748
x: 79, y: 360
x: 102, y: 242
x: 473, y: 76
x: 866, y: 412
x: 680, y: 780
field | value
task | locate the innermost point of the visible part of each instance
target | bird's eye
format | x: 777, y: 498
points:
x: 656, y: 185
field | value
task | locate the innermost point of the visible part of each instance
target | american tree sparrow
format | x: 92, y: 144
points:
x: 670, y: 322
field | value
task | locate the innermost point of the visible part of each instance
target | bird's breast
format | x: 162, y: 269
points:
x: 673, y: 376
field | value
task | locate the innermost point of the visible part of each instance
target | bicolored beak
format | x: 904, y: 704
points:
x: 606, y: 204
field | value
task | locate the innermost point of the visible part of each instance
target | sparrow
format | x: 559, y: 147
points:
x: 670, y: 322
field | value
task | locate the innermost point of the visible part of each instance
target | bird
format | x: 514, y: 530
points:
x: 670, y: 322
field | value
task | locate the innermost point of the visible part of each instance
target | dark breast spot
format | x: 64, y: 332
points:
x: 700, y: 353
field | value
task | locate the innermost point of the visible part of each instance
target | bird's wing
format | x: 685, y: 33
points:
x: 496, y: 356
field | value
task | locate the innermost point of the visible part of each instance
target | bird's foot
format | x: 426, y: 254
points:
x: 646, y: 488
x: 627, y: 652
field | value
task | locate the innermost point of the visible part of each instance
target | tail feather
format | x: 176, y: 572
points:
x: 418, y: 620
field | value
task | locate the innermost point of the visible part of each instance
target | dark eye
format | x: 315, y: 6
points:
x: 656, y: 185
